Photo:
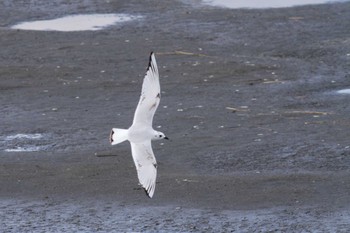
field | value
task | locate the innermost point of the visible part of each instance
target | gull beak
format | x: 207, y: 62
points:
x: 166, y: 138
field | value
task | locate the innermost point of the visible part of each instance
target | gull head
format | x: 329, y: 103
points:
x: 159, y: 135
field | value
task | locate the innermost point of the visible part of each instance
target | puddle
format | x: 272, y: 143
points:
x: 344, y: 91
x: 25, y: 142
x: 265, y: 3
x: 91, y: 22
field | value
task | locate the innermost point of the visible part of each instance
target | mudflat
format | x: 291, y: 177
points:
x: 259, y: 134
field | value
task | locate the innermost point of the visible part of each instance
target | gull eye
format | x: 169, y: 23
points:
x: 160, y: 136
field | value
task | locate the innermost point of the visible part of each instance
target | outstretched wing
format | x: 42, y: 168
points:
x: 146, y: 165
x: 150, y: 94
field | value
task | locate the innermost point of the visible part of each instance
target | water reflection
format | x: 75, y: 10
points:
x: 265, y: 3
x: 90, y: 22
x: 344, y: 91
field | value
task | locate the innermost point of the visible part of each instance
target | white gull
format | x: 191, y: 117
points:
x: 141, y: 133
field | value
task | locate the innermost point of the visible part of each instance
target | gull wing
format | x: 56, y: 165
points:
x: 150, y: 94
x: 146, y: 165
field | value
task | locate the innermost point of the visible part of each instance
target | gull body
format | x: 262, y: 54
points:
x: 141, y: 133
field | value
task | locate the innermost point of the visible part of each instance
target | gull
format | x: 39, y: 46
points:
x: 141, y: 133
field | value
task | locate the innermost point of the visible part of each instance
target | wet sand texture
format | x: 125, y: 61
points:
x: 259, y: 134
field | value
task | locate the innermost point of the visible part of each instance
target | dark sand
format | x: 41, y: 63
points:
x: 260, y: 138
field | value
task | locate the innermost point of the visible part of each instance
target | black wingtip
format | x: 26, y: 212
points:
x: 147, y: 193
x: 150, y: 61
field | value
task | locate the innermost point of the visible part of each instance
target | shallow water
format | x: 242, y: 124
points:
x: 27, y: 148
x: 24, y: 142
x: 265, y: 3
x: 344, y: 91
x: 91, y: 22
x: 20, y: 136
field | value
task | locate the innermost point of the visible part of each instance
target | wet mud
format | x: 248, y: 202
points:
x: 250, y: 101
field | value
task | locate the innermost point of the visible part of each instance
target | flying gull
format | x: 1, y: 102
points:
x: 141, y: 133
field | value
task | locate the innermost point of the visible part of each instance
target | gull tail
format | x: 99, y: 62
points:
x: 118, y: 136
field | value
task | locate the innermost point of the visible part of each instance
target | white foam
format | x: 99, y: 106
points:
x: 264, y: 3
x: 344, y: 91
x: 91, y: 22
